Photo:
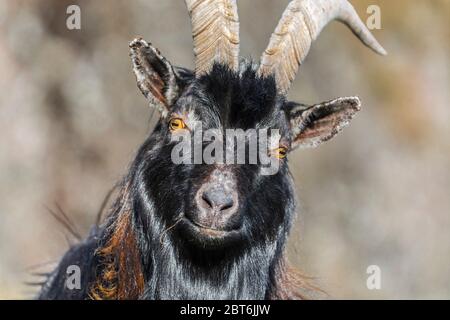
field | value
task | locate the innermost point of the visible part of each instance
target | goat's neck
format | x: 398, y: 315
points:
x: 173, y: 277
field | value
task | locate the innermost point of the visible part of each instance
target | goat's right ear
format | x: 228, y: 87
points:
x: 155, y: 76
x: 312, y: 125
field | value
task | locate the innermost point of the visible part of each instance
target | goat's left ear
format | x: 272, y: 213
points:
x: 312, y: 125
x: 155, y: 76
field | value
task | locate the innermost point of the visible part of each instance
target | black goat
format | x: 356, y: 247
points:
x: 212, y: 230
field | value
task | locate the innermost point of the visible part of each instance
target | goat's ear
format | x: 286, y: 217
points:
x: 312, y: 125
x: 155, y: 76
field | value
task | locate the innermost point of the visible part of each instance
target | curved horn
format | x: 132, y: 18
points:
x: 215, y: 29
x: 300, y: 25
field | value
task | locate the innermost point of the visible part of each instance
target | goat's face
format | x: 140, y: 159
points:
x: 221, y: 203
x: 218, y: 204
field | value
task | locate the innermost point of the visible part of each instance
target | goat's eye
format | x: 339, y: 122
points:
x: 280, y: 152
x: 176, y: 124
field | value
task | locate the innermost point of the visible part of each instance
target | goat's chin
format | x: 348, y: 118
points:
x: 208, y: 238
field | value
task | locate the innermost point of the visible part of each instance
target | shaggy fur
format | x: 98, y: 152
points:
x: 144, y: 249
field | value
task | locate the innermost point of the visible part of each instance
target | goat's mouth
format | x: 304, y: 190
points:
x: 212, y: 232
x: 206, y: 234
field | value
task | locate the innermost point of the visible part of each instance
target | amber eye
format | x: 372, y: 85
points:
x: 280, y: 152
x: 176, y: 124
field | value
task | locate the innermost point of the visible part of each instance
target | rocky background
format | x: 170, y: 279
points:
x: 71, y: 119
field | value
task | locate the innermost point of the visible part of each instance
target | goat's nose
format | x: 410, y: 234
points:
x: 217, y: 203
x: 217, y: 199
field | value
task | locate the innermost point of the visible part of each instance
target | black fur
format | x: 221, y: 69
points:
x: 177, y: 264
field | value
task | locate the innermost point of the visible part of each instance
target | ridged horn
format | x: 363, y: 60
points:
x: 215, y: 29
x: 300, y: 25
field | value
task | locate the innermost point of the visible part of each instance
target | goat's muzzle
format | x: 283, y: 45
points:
x: 217, y: 205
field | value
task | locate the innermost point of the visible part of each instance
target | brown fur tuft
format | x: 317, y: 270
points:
x: 291, y: 284
x: 121, y: 274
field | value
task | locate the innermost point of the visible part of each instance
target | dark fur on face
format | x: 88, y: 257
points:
x: 164, y: 238
x: 188, y: 264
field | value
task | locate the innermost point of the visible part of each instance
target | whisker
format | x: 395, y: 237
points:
x: 168, y: 229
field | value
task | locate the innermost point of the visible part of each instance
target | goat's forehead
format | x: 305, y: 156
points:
x: 229, y: 113
x: 232, y: 102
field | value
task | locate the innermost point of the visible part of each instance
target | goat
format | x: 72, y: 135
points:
x: 218, y: 230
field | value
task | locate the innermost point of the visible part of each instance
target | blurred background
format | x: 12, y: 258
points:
x: 71, y: 119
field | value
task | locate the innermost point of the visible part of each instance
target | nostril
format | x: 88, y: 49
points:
x: 227, y: 206
x: 206, y: 201
x: 227, y: 203
x: 217, y: 199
